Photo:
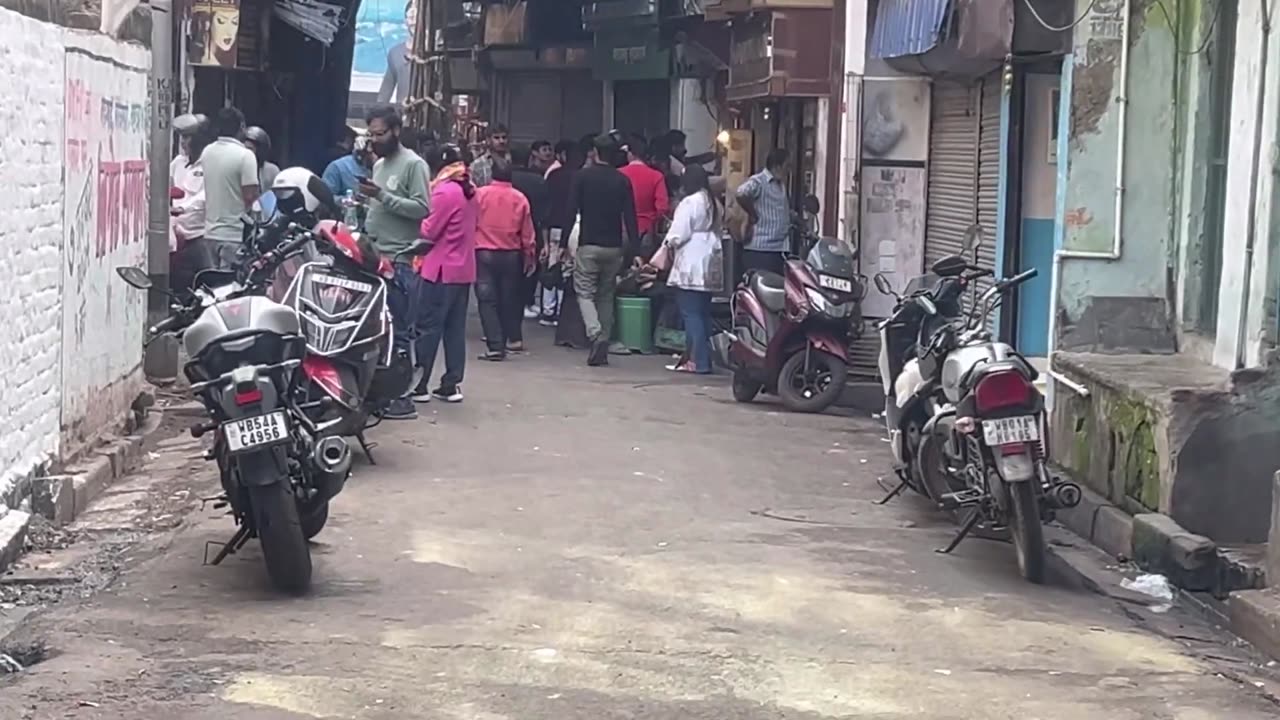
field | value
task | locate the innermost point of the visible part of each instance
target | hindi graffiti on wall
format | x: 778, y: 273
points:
x: 105, y: 224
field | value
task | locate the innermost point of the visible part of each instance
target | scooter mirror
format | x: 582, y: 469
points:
x: 135, y: 276
x: 882, y: 284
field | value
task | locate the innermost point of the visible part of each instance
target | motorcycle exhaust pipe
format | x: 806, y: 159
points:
x: 332, y: 457
x: 1064, y: 495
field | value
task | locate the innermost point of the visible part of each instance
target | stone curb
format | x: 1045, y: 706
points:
x: 62, y: 498
x: 1255, y: 617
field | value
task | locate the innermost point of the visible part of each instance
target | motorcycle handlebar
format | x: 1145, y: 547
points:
x: 166, y: 324
x: 1018, y: 279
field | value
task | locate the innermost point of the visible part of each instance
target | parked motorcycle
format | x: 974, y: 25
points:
x: 351, y: 366
x: 791, y: 332
x: 278, y: 471
x: 966, y: 421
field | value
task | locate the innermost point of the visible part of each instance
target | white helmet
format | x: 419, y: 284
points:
x: 300, y: 191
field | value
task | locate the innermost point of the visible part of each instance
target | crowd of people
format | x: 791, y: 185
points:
x: 542, y: 232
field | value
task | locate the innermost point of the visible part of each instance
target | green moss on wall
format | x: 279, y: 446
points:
x: 1135, y: 465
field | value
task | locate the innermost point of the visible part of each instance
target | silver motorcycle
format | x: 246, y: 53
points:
x: 967, y: 424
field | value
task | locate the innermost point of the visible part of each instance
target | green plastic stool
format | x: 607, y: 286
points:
x: 633, y: 323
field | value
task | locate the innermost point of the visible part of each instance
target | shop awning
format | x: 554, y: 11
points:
x: 908, y: 27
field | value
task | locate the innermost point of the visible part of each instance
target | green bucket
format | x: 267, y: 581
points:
x: 633, y: 323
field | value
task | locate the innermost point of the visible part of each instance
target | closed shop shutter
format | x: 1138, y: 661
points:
x: 531, y: 106
x: 952, y: 191
x: 989, y: 177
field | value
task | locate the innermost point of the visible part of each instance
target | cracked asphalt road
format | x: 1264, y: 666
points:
x: 574, y: 543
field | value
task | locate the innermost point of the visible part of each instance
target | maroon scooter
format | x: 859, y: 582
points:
x: 791, y: 332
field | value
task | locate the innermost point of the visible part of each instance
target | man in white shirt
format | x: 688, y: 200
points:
x: 230, y: 187
x: 185, y: 126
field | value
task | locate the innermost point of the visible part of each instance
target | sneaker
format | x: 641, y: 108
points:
x: 531, y: 313
x: 421, y: 394
x: 599, y: 354
x: 548, y: 322
x: 449, y: 395
x: 618, y: 348
x: 492, y: 356
x: 400, y: 409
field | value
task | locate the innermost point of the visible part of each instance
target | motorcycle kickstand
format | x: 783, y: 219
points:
x: 230, y: 547
x: 892, y: 493
x: 367, y: 447
x: 964, y: 532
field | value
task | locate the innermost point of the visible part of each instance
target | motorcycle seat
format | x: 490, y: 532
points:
x: 770, y: 288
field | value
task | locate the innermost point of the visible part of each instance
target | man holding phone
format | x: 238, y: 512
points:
x: 397, y: 195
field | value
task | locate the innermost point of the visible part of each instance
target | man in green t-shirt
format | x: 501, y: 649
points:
x: 397, y: 195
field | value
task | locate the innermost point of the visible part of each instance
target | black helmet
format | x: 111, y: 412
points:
x: 445, y: 154
x: 260, y: 139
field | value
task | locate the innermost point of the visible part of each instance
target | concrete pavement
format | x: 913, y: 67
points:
x: 575, y: 543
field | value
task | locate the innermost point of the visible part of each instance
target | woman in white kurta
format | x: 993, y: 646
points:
x: 697, y: 265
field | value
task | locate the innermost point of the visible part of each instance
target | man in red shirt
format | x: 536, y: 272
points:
x: 505, y: 254
x: 650, y: 189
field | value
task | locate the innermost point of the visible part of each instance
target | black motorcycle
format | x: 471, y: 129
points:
x: 278, y: 472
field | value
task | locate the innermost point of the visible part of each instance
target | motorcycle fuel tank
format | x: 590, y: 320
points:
x: 960, y: 361
x: 242, y: 313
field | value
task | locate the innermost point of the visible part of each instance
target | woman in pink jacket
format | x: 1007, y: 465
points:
x: 448, y: 271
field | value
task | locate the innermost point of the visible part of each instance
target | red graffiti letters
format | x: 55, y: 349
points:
x: 122, y: 204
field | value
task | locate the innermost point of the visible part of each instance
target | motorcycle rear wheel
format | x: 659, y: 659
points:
x: 284, y: 546
x: 801, y: 393
x: 1028, y: 533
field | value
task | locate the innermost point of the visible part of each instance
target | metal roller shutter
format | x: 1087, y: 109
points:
x: 989, y: 177
x: 953, y: 169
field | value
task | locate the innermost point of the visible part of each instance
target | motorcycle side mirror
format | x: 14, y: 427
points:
x: 973, y: 239
x: 882, y: 284
x: 949, y: 266
x: 135, y: 276
x: 811, y: 204
x: 926, y: 304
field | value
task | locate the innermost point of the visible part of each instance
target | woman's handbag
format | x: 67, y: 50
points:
x: 661, y: 259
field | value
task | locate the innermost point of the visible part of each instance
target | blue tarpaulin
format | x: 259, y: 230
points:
x: 908, y: 27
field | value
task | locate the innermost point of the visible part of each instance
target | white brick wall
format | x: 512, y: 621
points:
x: 31, y: 232
x: 39, y: 372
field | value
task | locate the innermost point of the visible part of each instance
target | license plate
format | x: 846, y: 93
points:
x: 256, y: 432
x: 1005, y: 431
x: 835, y: 283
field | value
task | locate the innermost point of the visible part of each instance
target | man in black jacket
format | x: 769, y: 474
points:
x: 607, y: 240
x: 530, y: 182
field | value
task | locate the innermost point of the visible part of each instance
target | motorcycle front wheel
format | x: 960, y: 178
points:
x: 1028, y: 533
x: 812, y: 386
x: 284, y: 545
x: 744, y: 388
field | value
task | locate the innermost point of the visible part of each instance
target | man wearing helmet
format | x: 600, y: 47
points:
x: 257, y: 140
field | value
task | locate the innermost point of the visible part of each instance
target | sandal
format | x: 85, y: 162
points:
x: 493, y: 356
x: 684, y: 367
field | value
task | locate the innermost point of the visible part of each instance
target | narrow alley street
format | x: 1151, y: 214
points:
x: 615, y: 543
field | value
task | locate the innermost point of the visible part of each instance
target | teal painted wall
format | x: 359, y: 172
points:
x: 1033, y: 297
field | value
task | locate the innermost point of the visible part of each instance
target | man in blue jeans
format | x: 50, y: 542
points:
x: 397, y: 198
